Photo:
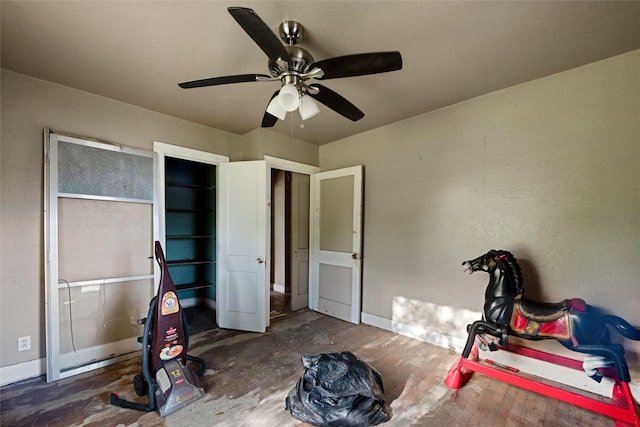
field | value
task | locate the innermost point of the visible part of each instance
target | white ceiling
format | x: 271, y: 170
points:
x: 137, y: 51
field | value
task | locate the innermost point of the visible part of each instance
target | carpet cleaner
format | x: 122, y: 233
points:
x: 165, y: 377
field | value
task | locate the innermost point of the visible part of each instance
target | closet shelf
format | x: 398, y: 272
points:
x: 187, y: 185
x: 190, y: 262
x: 190, y: 236
x: 193, y: 286
x: 183, y: 210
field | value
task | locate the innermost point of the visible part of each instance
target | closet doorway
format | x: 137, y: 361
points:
x: 185, y: 199
x: 289, y: 288
x: 321, y: 271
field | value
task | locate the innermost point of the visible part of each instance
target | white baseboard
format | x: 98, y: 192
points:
x: 413, y: 331
x: 22, y: 371
x: 36, y: 368
x: 550, y: 371
x: 84, y: 359
x: 90, y: 355
x: 279, y: 288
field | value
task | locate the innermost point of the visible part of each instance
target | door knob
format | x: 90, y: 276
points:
x: 260, y: 260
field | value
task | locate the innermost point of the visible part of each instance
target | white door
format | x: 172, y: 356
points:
x: 299, y: 241
x: 336, y: 241
x: 242, y: 292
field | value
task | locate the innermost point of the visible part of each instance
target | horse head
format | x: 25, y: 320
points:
x: 505, y: 283
x: 487, y: 262
x: 497, y: 259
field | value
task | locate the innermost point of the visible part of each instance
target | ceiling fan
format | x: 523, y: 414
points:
x: 293, y: 66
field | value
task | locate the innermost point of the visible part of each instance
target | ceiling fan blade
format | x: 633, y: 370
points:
x: 359, y: 64
x: 269, y: 120
x: 260, y: 33
x: 214, y: 81
x: 336, y: 102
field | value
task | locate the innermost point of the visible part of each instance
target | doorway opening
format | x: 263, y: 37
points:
x: 190, y: 231
x: 289, y: 287
x: 185, y: 193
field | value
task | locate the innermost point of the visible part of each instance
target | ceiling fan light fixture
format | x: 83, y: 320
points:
x: 288, y: 97
x: 275, y: 109
x: 294, y: 65
x: 308, y: 107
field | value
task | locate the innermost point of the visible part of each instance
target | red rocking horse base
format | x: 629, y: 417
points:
x: 622, y: 407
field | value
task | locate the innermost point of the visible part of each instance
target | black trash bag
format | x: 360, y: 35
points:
x: 338, y: 389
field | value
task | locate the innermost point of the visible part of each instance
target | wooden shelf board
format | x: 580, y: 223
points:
x: 193, y: 286
x: 190, y: 262
x: 189, y: 236
x: 187, y: 185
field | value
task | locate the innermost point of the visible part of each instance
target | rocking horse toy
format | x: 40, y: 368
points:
x: 573, y: 323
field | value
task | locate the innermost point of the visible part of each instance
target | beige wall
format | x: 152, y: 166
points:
x: 548, y: 170
x: 260, y: 142
x: 28, y: 106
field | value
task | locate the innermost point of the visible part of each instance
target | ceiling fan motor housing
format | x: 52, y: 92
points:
x: 291, y: 33
x: 300, y: 63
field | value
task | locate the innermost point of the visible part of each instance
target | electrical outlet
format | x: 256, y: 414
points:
x: 24, y: 343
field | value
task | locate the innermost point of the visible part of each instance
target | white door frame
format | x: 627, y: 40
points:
x: 59, y: 366
x: 289, y: 166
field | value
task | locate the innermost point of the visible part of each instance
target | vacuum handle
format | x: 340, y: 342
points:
x: 159, y: 253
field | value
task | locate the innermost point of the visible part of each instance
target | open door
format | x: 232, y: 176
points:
x: 299, y: 241
x: 243, y: 271
x: 336, y: 241
x: 243, y: 244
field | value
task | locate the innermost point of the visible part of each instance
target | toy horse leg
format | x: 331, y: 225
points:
x: 622, y: 399
x: 593, y: 365
x: 613, y: 352
x: 481, y: 327
x: 458, y: 375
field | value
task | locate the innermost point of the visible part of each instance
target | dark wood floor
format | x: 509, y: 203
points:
x: 249, y: 375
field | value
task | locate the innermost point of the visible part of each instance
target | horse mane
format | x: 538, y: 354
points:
x: 515, y: 269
